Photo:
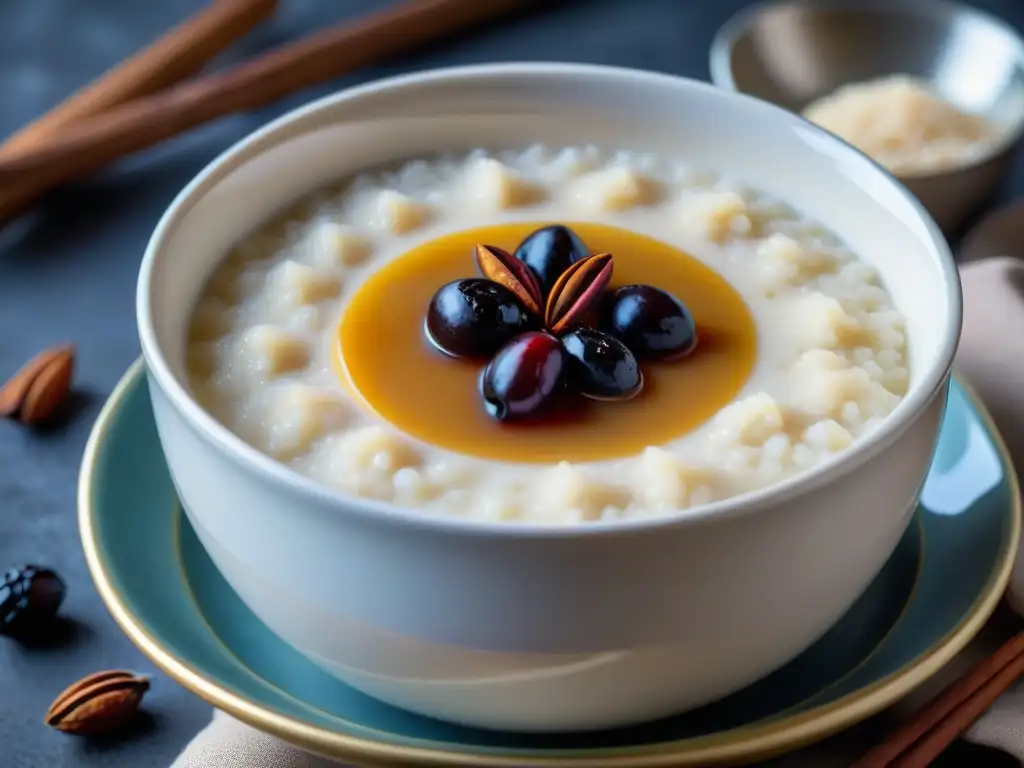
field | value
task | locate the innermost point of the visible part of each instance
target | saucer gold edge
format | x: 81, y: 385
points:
x: 755, y: 742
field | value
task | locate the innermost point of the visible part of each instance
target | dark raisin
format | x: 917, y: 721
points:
x: 652, y: 323
x: 550, y: 251
x: 30, y: 597
x: 600, y: 366
x: 523, y: 377
x: 474, y: 317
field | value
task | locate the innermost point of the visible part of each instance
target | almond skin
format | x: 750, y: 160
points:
x: 40, y: 387
x: 99, y: 703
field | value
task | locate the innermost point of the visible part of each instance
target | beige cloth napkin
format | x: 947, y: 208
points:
x: 991, y: 358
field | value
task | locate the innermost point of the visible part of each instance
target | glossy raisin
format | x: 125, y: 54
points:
x: 654, y: 324
x: 523, y: 377
x: 600, y: 366
x: 473, y: 317
x: 549, y: 252
x: 30, y: 597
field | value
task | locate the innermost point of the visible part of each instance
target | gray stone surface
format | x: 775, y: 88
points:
x: 67, y: 272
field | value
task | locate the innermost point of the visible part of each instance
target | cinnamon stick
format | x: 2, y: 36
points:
x: 986, y: 681
x: 935, y: 742
x: 181, y: 52
x: 92, y: 143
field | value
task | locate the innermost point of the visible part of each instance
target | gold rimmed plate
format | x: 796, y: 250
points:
x: 936, y: 591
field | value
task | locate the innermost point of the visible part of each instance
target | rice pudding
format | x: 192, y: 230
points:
x: 308, y: 340
x: 902, y: 124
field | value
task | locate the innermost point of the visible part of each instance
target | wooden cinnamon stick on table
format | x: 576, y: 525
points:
x: 937, y: 724
x: 92, y: 143
x: 181, y: 52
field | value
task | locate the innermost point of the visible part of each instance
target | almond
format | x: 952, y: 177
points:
x: 99, y: 703
x: 40, y: 387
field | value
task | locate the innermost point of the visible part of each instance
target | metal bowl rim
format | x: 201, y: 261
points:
x: 722, y: 44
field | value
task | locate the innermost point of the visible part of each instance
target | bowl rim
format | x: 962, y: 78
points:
x: 934, y: 378
x: 725, y: 39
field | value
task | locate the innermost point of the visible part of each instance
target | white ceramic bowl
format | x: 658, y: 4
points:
x: 534, y: 628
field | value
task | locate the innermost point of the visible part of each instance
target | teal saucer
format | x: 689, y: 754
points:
x: 938, y: 588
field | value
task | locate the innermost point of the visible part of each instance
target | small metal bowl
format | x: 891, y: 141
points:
x: 793, y: 52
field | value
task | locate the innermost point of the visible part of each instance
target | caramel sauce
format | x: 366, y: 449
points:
x: 435, y: 398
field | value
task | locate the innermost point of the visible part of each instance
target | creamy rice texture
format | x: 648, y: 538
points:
x: 831, y: 364
x: 899, y: 122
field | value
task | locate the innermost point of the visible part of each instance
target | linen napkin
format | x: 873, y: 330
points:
x: 991, y: 358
